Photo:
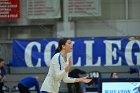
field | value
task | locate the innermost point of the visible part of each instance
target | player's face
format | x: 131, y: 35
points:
x: 115, y: 75
x: 68, y: 46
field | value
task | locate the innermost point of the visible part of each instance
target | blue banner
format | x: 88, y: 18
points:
x: 86, y: 52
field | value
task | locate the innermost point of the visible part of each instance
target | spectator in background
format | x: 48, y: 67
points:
x: 114, y: 75
x: 2, y: 74
x: 75, y: 86
x: 28, y: 82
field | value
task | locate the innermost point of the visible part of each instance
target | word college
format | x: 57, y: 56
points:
x: 86, y: 52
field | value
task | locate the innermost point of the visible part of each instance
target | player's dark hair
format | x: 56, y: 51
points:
x: 61, y: 42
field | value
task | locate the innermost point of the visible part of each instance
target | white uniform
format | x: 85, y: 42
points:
x: 56, y: 74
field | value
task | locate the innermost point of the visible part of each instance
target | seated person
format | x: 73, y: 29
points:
x: 75, y: 73
x: 2, y: 74
x: 114, y: 75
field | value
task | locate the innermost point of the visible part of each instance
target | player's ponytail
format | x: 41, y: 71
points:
x: 57, y: 50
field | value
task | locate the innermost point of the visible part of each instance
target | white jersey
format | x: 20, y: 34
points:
x: 56, y: 74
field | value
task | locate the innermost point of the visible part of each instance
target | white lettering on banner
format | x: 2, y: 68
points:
x: 112, y: 47
x: 47, y: 52
x: 89, y: 58
x: 128, y: 52
x: 28, y: 53
x: 138, y: 58
x: 112, y: 53
x: 78, y: 63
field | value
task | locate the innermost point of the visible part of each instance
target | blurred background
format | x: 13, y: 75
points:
x: 78, y: 19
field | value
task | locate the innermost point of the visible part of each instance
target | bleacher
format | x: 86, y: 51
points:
x: 15, y: 74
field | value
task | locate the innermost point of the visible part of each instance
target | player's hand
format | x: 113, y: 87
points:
x: 86, y: 79
x: 69, y: 65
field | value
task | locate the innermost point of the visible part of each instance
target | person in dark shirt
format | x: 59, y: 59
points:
x: 75, y: 87
x: 28, y: 82
x: 2, y: 74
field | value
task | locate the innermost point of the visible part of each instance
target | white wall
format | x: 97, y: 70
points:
x: 108, y: 28
x: 118, y: 18
x: 114, y: 21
